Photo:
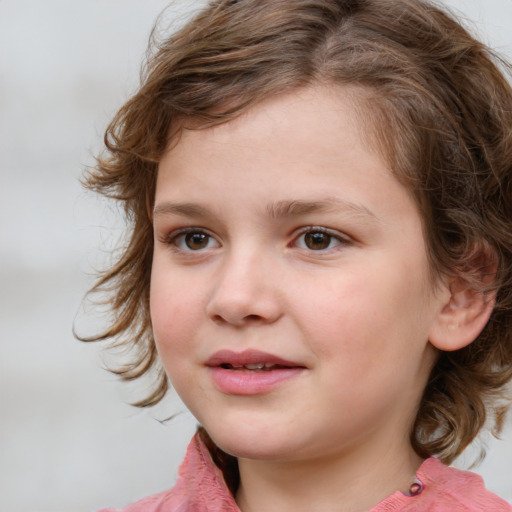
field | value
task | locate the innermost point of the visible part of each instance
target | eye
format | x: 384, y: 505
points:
x: 317, y: 239
x: 193, y: 240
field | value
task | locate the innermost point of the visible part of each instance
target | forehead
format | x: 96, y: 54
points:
x: 311, y: 116
x: 306, y: 146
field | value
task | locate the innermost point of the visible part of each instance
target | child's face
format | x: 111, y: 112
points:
x: 282, y: 238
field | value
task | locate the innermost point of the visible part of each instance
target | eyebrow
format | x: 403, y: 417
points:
x: 277, y: 210
x: 295, y: 208
x: 186, y: 209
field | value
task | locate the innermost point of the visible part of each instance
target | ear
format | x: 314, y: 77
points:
x: 464, y: 309
x: 462, y: 317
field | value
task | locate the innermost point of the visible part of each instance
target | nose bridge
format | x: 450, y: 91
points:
x: 245, y: 290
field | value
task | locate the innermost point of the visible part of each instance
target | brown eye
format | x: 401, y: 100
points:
x: 317, y: 241
x: 193, y: 241
x: 196, y: 241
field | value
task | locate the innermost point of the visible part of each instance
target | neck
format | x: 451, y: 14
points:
x: 350, y: 482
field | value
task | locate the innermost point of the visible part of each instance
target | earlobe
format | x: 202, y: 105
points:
x: 462, y: 317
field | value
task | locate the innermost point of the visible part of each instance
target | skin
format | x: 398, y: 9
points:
x: 357, y: 314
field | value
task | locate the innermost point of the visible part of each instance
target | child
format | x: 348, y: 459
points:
x: 319, y: 195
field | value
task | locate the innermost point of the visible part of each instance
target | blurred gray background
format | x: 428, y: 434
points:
x: 68, y: 440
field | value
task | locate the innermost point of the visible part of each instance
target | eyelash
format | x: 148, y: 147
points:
x: 175, y: 239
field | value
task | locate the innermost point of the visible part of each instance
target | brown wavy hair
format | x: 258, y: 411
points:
x: 439, y: 106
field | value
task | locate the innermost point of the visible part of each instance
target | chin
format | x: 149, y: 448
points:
x: 251, y: 444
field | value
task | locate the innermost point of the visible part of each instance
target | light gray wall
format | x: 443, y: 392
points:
x: 68, y: 442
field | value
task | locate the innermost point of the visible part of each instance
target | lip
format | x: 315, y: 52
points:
x: 249, y: 357
x: 246, y: 382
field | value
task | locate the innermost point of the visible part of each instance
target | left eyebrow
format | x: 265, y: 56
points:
x: 293, y: 208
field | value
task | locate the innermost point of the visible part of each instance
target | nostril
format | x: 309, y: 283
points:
x: 218, y: 319
x: 248, y: 319
x: 253, y: 318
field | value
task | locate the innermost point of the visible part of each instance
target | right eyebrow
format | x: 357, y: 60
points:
x: 188, y: 209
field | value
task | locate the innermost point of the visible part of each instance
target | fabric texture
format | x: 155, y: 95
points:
x: 201, y: 488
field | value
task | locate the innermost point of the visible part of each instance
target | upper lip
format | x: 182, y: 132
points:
x: 248, y: 357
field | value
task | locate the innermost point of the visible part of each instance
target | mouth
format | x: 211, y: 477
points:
x: 250, y: 360
x: 254, y: 367
x: 250, y: 372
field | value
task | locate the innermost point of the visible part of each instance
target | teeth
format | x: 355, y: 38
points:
x: 251, y: 366
x: 257, y: 366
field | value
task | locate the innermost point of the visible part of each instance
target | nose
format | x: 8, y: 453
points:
x: 245, y: 292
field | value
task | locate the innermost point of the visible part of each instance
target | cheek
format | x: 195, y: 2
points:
x: 173, y: 319
x: 369, y: 316
x: 173, y: 308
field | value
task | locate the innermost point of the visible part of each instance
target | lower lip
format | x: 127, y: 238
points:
x: 240, y: 382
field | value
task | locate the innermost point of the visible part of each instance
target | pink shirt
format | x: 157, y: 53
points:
x: 201, y: 488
